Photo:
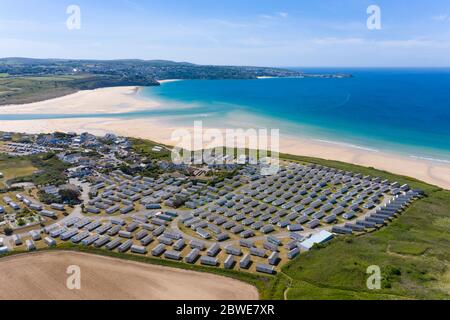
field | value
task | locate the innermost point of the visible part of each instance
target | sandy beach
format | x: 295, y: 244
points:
x: 124, y: 99
x: 42, y: 276
x: 105, y: 100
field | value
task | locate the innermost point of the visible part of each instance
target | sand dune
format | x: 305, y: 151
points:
x: 42, y: 276
x: 104, y: 100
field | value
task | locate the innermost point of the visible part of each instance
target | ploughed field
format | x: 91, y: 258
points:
x: 43, y: 275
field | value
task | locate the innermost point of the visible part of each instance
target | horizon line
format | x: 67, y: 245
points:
x: 235, y: 65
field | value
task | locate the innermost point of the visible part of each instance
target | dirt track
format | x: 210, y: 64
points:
x: 43, y: 276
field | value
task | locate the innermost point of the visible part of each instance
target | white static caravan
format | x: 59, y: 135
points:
x: 258, y: 252
x: 17, y: 240
x: 293, y: 253
x: 35, y: 235
x: 233, y: 251
x: 194, y: 244
x: 263, y: 268
x: 213, y: 250
x: 113, y: 244
x: 138, y: 249
x: 29, y: 244
x: 147, y: 240
x: 90, y: 240
x: 124, y: 247
x: 4, y: 250
x: 173, y: 255
x: 48, y: 214
x: 192, y: 256
x: 209, y: 261
x: 274, y: 258
x: 229, y: 262
x: 125, y: 234
x: 179, y: 244
x: 158, y: 250
x: 57, y: 206
x: 101, y: 241
x: 245, y: 262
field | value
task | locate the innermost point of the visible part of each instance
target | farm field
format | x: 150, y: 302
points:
x: 44, y: 277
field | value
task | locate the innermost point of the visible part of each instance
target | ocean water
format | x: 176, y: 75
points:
x: 406, y: 111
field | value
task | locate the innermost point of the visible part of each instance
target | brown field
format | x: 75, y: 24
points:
x: 42, y: 276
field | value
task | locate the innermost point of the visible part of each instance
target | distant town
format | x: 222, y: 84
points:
x: 125, y: 195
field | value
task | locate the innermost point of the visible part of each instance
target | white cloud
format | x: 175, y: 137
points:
x: 397, y: 43
x: 441, y: 17
x: 228, y: 23
x: 277, y: 15
x: 338, y: 41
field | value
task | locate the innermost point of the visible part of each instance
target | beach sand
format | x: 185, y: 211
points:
x: 42, y: 276
x: 161, y: 129
x: 105, y: 100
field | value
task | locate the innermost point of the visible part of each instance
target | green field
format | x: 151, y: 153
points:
x: 144, y: 148
x: 13, y: 168
x: 24, y: 169
x: 27, y: 89
x: 19, y: 90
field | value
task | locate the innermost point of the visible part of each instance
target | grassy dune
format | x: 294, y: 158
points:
x: 20, y: 90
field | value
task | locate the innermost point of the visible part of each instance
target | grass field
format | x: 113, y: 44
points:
x: 27, y: 89
x: 13, y: 168
x: 19, y: 90
x: 144, y: 147
x: 50, y: 167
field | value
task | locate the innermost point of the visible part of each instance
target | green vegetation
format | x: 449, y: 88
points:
x: 144, y: 148
x: 50, y: 170
x: 413, y: 252
x: 8, y: 231
x: 13, y: 167
x: 26, y: 89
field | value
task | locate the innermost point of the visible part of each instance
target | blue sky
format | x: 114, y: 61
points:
x: 237, y: 32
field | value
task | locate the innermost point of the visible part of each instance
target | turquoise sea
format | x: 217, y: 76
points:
x: 406, y: 111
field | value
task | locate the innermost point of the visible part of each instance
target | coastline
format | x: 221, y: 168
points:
x: 127, y: 99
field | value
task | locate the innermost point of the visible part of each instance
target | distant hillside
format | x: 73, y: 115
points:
x: 25, y: 80
x: 151, y: 69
